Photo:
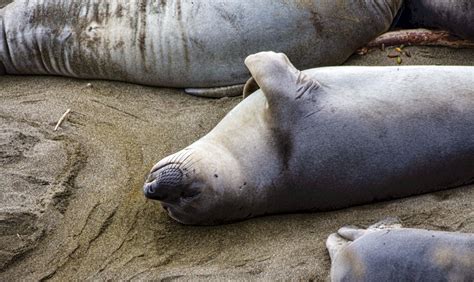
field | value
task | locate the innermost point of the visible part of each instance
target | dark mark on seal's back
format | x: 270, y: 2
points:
x: 284, y: 145
x: 142, y: 33
x: 119, y: 11
x: 182, y: 30
x: 316, y: 20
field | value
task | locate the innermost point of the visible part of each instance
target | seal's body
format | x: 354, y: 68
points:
x: 453, y: 16
x: 324, y: 139
x: 198, y: 43
x: 400, y: 254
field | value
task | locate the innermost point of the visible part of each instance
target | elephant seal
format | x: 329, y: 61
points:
x: 453, y: 16
x: 324, y: 139
x: 191, y: 44
x: 387, y: 252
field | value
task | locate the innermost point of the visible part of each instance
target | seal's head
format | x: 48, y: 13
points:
x: 193, y: 185
x: 170, y: 180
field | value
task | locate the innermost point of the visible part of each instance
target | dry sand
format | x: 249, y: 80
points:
x: 71, y: 204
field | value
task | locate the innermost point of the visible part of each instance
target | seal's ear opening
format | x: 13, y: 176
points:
x: 249, y: 87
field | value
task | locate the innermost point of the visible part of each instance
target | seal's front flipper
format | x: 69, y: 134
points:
x: 216, y: 92
x: 353, y: 233
x: 278, y: 78
x: 350, y: 232
x: 334, y: 244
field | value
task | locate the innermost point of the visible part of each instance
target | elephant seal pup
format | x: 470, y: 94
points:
x: 387, y: 252
x: 198, y: 43
x: 324, y: 139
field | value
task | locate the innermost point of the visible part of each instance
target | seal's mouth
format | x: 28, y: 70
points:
x: 156, y: 191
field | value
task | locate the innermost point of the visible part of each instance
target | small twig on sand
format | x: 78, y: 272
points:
x: 420, y: 37
x: 61, y: 120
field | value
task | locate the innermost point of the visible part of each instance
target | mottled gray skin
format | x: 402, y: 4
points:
x: 455, y: 16
x: 324, y: 139
x: 400, y: 254
x: 197, y: 43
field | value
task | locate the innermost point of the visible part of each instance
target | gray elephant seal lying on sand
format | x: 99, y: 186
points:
x: 198, y: 43
x: 453, y: 16
x: 201, y: 43
x: 324, y: 139
x: 387, y: 252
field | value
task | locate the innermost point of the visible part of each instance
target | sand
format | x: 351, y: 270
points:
x: 71, y: 203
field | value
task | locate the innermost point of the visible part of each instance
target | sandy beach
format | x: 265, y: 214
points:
x: 71, y: 202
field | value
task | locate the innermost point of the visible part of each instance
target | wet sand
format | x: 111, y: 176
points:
x: 71, y: 203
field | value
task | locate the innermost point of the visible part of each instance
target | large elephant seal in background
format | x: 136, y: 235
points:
x: 387, y: 252
x: 454, y: 16
x: 198, y: 43
x: 324, y: 139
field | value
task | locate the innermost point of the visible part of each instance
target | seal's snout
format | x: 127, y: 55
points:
x: 167, y: 184
x: 150, y: 190
x: 168, y: 177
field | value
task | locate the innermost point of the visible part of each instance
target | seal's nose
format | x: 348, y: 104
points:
x: 153, y: 191
x: 164, y: 184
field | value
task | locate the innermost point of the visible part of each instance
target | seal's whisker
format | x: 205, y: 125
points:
x: 185, y: 161
x: 174, y: 159
x: 190, y: 165
x: 183, y: 155
x: 179, y: 159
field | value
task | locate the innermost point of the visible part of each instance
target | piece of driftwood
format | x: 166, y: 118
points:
x: 419, y: 37
x: 61, y: 120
